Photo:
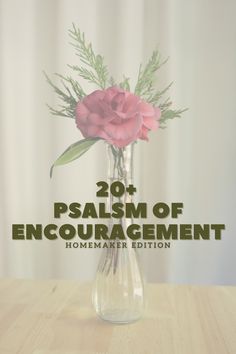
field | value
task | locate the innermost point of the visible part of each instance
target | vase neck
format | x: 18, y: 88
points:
x: 120, y: 168
x: 120, y: 164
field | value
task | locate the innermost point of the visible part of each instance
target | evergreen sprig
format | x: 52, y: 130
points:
x: 125, y: 85
x: 145, y: 88
x: 70, y: 94
x: 155, y: 96
x: 95, y: 71
x: 146, y: 75
x: 170, y: 114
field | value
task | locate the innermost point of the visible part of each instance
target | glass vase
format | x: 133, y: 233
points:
x: 118, y: 292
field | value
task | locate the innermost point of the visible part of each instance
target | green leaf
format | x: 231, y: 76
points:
x: 73, y: 152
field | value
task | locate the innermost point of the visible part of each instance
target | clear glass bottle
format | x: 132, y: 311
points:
x: 118, y: 292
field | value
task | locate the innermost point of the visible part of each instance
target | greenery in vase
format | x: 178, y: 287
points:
x: 112, y: 112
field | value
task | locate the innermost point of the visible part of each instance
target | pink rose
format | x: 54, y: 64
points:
x: 117, y: 116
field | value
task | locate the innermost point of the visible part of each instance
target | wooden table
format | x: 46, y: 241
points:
x: 56, y: 317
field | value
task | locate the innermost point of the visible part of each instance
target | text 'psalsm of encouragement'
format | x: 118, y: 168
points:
x: 116, y: 232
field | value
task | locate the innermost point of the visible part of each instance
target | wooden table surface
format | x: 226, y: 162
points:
x: 56, y: 317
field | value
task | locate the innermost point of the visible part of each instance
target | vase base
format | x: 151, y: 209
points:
x: 119, y: 317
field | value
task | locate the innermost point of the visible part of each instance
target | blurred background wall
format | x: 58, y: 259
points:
x: 192, y: 161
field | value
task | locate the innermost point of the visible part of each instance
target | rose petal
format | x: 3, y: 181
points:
x: 146, y: 109
x: 143, y: 134
x: 111, y: 92
x: 127, y: 129
x: 96, y: 119
x: 120, y: 143
x: 106, y: 111
x: 118, y: 116
x: 118, y: 101
x: 92, y: 101
x: 131, y: 104
x: 150, y: 123
x: 157, y: 112
x: 81, y: 112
